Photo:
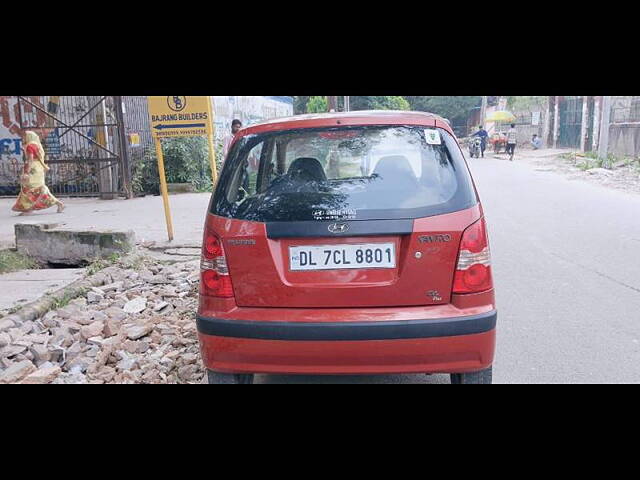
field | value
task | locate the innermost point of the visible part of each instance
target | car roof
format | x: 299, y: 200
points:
x: 356, y: 118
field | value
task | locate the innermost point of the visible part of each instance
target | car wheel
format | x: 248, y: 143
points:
x: 217, y: 378
x: 482, y: 377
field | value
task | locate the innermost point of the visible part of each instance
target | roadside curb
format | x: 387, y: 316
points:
x: 38, y: 308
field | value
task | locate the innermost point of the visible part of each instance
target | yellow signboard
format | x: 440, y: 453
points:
x: 180, y: 116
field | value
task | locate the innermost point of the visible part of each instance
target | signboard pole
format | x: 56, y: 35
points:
x: 212, y: 148
x: 180, y: 116
x: 163, y: 188
x: 212, y: 160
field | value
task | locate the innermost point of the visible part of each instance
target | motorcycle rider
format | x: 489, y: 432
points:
x: 482, y: 133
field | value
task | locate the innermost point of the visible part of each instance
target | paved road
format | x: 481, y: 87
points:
x: 567, y: 273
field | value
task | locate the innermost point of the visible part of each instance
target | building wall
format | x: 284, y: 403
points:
x: 624, y: 129
x: 249, y: 110
x: 624, y: 140
x: 527, y: 123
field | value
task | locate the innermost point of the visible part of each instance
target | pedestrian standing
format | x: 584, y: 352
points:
x: 512, y: 138
x: 236, y: 125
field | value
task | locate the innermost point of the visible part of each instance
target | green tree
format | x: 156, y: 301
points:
x: 317, y: 105
x: 455, y: 109
x: 300, y: 104
x: 379, y: 103
x: 186, y: 161
x: 524, y: 103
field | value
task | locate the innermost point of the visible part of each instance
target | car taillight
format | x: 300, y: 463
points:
x: 214, y: 273
x: 473, y: 272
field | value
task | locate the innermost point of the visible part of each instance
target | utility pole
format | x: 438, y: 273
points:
x: 603, y: 146
x: 556, y: 121
x: 597, y: 107
x: 584, y: 129
x: 546, y: 130
x: 123, y: 147
x: 483, y: 110
x: 332, y: 103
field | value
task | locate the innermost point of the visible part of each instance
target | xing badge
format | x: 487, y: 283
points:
x: 434, y: 238
x: 435, y: 295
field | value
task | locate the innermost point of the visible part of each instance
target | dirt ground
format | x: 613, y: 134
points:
x: 623, y: 176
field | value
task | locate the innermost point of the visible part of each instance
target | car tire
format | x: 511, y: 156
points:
x: 217, y: 378
x: 482, y: 377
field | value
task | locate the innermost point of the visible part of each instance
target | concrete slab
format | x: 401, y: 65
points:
x: 28, y: 285
x: 49, y: 243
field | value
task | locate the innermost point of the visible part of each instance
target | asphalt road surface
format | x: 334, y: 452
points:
x: 567, y: 272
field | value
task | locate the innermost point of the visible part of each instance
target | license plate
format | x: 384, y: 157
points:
x: 340, y: 257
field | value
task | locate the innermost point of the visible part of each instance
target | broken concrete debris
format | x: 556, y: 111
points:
x: 138, y: 328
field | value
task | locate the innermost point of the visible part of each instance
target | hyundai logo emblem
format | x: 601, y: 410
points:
x: 338, y: 228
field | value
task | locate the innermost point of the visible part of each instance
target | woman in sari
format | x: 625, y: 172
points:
x: 34, y: 194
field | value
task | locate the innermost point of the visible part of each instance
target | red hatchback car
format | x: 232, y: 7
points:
x: 347, y: 243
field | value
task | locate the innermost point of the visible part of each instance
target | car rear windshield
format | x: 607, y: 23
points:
x: 363, y: 173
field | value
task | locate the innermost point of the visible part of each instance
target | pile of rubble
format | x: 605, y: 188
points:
x: 138, y: 328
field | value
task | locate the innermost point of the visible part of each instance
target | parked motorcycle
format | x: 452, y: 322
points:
x: 475, y: 147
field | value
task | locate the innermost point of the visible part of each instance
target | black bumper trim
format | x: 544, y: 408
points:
x: 443, y: 327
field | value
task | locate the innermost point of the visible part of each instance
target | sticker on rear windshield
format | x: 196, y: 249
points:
x: 341, y: 214
x: 432, y: 136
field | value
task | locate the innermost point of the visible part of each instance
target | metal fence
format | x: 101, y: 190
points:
x: 625, y: 109
x: 82, y: 139
x: 91, y: 142
x: 137, y: 130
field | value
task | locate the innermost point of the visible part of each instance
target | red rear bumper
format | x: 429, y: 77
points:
x: 448, y: 345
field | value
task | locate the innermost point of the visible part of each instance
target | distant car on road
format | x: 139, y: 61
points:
x: 346, y: 243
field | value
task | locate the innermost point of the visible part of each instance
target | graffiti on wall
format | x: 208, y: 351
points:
x: 10, y: 144
x: 60, y: 143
